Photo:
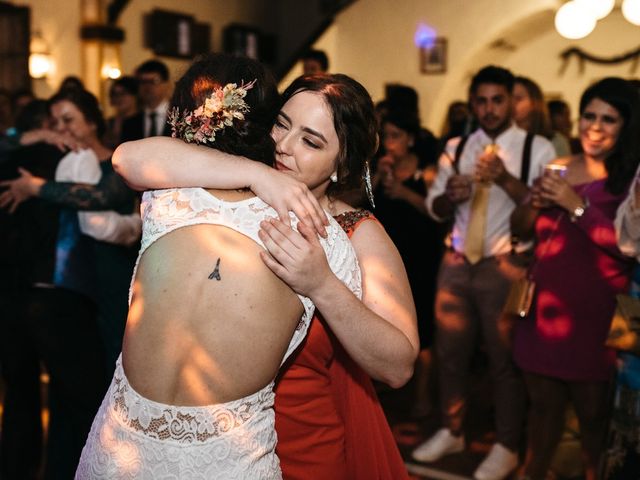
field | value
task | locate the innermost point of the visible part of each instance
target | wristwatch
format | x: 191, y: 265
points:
x: 579, y: 210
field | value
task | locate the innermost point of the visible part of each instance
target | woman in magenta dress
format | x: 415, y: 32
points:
x: 578, y: 271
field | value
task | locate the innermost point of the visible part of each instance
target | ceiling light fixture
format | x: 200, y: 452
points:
x: 573, y: 21
x: 631, y: 11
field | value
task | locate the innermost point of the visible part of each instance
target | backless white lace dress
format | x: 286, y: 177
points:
x: 136, y: 438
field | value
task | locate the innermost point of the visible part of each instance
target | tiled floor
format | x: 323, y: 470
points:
x: 410, y: 432
x: 478, y: 429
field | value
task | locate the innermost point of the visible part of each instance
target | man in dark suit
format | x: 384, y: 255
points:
x: 154, y: 91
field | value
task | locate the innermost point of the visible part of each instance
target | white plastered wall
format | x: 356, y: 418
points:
x: 373, y: 41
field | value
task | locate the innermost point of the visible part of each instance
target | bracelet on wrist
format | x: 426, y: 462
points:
x: 579, y: 211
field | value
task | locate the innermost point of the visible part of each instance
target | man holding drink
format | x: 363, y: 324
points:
x: 480, y: 180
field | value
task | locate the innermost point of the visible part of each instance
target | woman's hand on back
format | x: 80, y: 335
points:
x: 286, y: 194
x: 19, y: 189
x: 295, y: 256
x: 379, y: 332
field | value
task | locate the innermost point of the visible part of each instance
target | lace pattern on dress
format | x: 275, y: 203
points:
x: 182, y: 424
x: 166, y: 210
x: 133, y: 438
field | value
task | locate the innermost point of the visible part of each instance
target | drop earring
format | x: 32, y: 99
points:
x: 367, y: 183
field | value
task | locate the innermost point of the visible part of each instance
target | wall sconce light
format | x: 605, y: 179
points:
x: 40, y: 61
x: 111, y: 71
x: 631, y: 11
x: 111, y: 65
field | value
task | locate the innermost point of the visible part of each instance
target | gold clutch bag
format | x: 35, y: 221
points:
x: 520, y: 297
x: 624, y: 333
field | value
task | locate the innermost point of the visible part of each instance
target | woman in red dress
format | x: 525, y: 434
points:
x: 328, y: 419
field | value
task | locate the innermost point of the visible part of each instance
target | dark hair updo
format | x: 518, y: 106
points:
x: 249, y: 137
x: 353, y: 119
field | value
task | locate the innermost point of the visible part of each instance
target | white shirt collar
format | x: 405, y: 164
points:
x: 501, y: 139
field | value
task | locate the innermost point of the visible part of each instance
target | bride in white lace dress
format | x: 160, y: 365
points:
x: 209, y: 324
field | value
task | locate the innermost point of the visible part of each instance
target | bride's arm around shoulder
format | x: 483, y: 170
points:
x: 163, y: 162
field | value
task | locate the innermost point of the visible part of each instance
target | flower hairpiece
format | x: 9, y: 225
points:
x: 219, y: 110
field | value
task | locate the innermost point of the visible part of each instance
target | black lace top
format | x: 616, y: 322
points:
x: 110, y: 193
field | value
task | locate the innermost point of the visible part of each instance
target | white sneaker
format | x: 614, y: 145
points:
x: 498, y: 464
x: 439, y: 445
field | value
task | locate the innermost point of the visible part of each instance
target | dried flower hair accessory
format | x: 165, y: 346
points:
x: 220, y: 109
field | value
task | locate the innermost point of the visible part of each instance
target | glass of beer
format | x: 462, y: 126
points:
x: 554, y: 167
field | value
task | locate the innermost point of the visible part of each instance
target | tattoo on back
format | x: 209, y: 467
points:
x: 216, y: 272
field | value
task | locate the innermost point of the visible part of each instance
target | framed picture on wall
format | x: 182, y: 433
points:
x: 177, y: 35
x: 433, y: 58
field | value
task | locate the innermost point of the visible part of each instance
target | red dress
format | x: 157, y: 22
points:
x: 328, y: 418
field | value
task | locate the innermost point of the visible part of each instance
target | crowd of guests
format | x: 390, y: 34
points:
x: 471, y: 214
x: 71, y: 231
x: 522, y: 206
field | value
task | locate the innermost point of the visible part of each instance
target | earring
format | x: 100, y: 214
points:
x: 334, y: 177
x: 367, y: 183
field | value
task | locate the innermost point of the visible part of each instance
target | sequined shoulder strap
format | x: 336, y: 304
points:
x: 349, y: 221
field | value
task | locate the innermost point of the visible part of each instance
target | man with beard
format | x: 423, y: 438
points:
x: 480, y: 180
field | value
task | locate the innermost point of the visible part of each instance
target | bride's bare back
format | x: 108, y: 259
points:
x: 208, y: 321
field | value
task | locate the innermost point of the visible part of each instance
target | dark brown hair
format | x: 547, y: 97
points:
x: 154, y: 66
x: 249, y: 137
x: 353, y: 119
x: 87, y: 103
x: 492, y: 75
x: 623, y: 160
x: 538, y: 121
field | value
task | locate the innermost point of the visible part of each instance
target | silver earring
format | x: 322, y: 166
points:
x: 367, y: 183
x: 334, y: 177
